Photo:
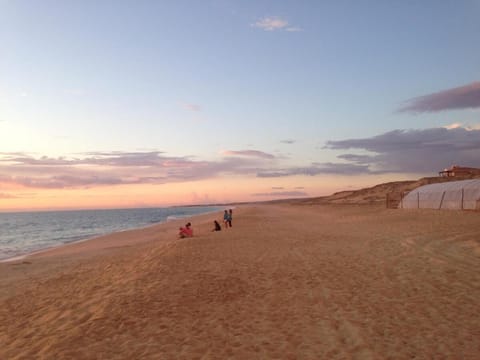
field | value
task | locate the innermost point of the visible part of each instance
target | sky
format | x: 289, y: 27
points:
x: 121, y: 104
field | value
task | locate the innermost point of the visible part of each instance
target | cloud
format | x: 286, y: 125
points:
x: 249, y: 153
x: 316, y: 169
x: 282, y: 193
x: 413, y: 151
x: 277, y: 187
x: 294, y: 29
x: 120, y: 159
x: 460, y: 125
x: 287, y: 141
x: 6, y: 196
x: 463, y: 97
x: 274, y: 23
x: 424, y: 151
x: 453, y: 126
x: 192, y: 107
x: 116, y: 168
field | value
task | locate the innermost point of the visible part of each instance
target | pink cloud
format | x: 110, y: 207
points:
x: 463, y: 97
x: 116, y: 168
x: 192, y: 107
x: 271, y: 23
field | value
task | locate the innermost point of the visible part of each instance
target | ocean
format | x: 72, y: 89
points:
x: 22, y: 233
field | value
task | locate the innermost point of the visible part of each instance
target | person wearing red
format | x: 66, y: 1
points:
x: 186, y: 231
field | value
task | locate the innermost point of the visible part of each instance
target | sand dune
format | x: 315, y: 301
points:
x: 286, y: 282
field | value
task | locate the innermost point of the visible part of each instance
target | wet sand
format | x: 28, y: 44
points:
x: 286, y: 282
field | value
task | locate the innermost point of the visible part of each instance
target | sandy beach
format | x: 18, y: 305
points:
x: 287, y: 281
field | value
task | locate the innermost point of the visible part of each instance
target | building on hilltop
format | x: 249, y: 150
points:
x: 456, y: 170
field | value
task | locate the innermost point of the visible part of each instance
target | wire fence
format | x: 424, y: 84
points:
x: 456, y: 200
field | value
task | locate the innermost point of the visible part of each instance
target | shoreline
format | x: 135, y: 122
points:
x: 286, y: 281
x: 122, y: 238
x: 18, y: 272
x: 168, y: 219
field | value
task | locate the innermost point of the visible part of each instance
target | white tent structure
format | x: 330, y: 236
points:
x: 457, y: 195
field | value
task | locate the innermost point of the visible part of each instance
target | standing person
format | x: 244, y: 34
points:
x: 230, y: 216
x: 225, y: 218
x: 217, y: 226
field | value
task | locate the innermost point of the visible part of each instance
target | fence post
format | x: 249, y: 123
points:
x: 441, y: 201
x: 418, y: 200
x: 462, y: 197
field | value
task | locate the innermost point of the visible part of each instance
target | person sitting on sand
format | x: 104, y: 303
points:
x: 186, y: 231
x: 217, y: 226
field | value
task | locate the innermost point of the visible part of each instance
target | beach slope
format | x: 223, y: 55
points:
x: 286, y: 282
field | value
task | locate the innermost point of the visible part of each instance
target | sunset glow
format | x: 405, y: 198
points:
x: 152, y: 104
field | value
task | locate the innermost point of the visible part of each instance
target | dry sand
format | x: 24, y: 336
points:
x: 286, y: 282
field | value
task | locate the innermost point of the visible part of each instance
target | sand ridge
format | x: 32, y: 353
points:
x: 286, y: 282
